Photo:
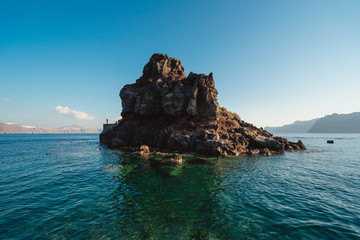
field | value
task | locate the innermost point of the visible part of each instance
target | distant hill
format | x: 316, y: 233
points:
x: 17, y: 128
x: 296, y: 127
x: 335, y: 123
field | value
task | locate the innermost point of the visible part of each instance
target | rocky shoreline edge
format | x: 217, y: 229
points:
x: 167, y: 111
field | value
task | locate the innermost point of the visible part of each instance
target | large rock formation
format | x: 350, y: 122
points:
x: 166, y: 110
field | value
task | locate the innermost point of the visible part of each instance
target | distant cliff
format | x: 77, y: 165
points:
x: 335, y: 123
x: 296, y: 127
x: 17, y: 128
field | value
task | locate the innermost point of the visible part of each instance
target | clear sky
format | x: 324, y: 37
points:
x: 274, y: 62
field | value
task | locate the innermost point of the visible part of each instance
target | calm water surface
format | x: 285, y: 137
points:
x: 80, y: 193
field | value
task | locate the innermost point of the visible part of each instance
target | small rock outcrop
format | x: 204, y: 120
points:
x: 166, y: 110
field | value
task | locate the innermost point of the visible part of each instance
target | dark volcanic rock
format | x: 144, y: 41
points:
x: 164, y: 109
x: 163, y: 89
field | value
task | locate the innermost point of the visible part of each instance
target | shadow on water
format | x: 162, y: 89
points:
x: 160, y: 199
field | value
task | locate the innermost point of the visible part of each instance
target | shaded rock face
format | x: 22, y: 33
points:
x: 166, y: 110
x: 163, y: 89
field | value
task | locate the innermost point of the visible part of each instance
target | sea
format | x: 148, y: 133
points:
x: 83, y: 190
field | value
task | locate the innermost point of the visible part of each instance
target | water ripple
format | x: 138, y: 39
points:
x: 80, y: 193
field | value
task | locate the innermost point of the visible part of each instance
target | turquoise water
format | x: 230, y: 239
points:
x: 80, y: 193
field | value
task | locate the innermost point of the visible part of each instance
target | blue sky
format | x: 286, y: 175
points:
x: 274, y: 62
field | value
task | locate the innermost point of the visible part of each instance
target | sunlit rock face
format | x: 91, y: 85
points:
x: 166, y: 110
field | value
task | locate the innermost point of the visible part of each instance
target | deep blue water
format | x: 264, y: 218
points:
x: 80, y: 193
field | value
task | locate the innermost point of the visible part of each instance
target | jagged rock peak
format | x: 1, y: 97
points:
x: 164, y: 89
x: 163, y: 66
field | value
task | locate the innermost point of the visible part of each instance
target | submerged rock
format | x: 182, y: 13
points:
x: 166, y: 110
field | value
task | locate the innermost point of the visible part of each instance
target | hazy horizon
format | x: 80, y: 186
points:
x: 274, y: 62
x: 110, y: 121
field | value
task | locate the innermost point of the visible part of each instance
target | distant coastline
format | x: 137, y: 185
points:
x: 334, y: 123
x: 14, y: 128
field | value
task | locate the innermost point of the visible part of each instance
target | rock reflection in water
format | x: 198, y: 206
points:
x: 167, y: 200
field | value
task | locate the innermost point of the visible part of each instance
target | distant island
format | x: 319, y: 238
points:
x: 17, y: 128
x: 167, y: 110
x: 334, y: 123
